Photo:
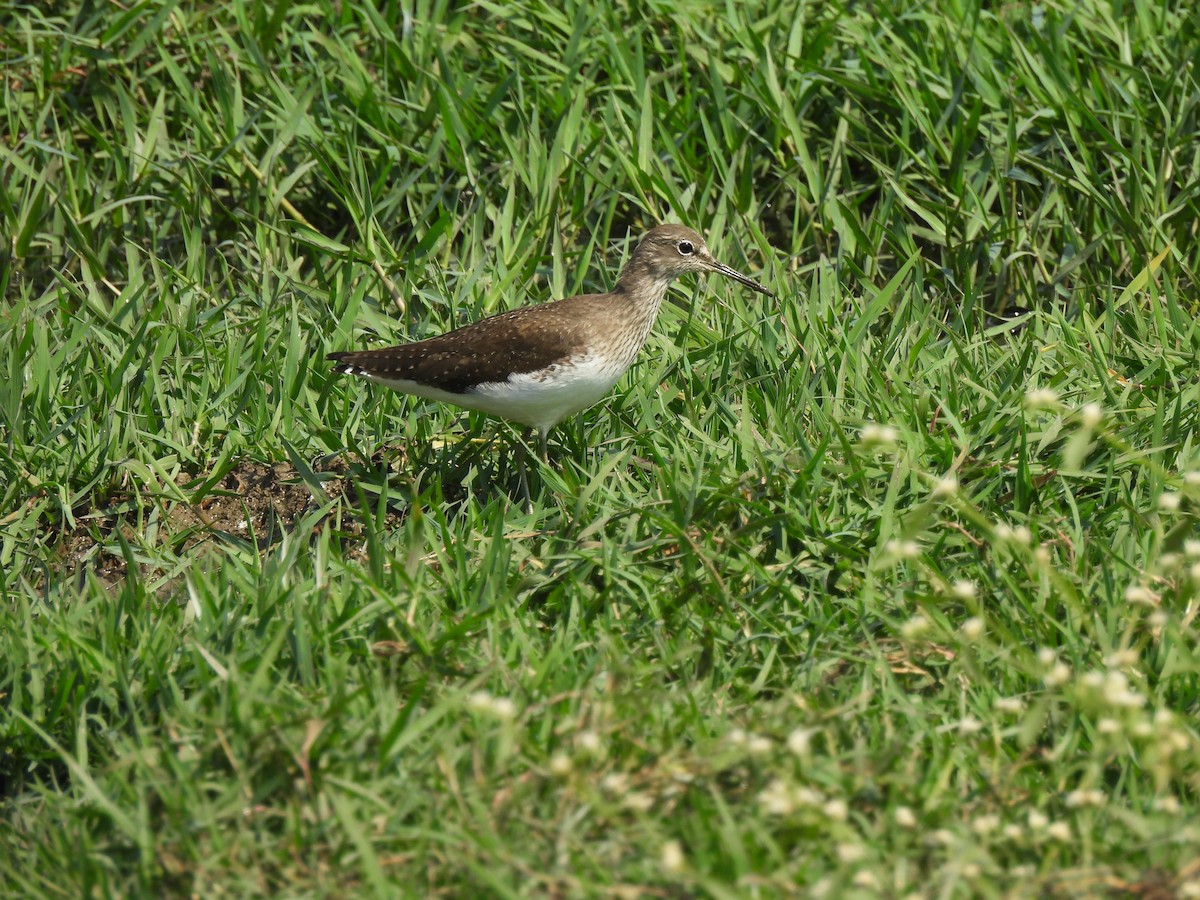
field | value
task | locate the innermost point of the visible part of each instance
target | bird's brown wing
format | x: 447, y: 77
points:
x: 519, y: 341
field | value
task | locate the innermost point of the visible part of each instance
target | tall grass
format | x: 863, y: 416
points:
x: 887, y: 588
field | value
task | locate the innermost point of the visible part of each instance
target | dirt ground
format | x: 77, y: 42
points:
x: 253, y: 501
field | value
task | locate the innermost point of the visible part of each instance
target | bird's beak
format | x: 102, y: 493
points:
x: 736, y: 276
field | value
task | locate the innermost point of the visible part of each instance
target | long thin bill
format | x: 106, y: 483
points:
x: 739, y: 277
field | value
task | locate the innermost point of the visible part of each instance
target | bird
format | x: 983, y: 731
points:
x: 536, y: 365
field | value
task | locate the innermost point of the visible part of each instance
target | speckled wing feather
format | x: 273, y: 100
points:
x: 515, y: 342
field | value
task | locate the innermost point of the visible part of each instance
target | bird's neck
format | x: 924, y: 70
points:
x: 634, y: 304
x: 641, y: 290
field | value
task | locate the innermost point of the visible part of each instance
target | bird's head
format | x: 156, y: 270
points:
x: 668, y: 251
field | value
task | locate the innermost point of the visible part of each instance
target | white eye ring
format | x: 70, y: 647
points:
x: 685, y: 248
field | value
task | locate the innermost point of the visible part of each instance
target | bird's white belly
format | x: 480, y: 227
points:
x: 539, y: 399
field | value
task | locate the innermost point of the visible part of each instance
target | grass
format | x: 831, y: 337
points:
x: 888, y: 589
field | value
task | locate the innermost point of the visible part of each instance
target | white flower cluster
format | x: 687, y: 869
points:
x: 500, y: 708
x: 873, y: 435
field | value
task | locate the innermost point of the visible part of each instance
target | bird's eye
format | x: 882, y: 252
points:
x: 686, y: 248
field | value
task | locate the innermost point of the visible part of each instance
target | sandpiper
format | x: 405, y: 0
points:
x: 539, y: 364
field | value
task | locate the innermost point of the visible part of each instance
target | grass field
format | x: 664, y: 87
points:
x: 884, y: 589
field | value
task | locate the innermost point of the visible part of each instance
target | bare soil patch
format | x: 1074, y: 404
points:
x: 255, y: 502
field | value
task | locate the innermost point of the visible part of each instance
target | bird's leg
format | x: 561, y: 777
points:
x: 522, y: 471
x: 543, y: 433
